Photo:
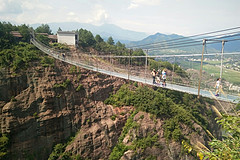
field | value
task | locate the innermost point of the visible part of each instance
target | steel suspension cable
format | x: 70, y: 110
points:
x: 193, y: 41
x: 186, y: 45
x: 197, y: 35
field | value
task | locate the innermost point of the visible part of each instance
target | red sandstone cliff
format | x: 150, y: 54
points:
x: 53, y: 103
x: 42, y: 114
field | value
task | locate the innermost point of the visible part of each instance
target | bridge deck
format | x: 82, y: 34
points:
x: 190, y: 90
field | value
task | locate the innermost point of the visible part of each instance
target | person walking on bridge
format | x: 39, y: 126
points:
x: 218, y: 86
x: 153, y: 75
x: 158, y: 76
x: 164, y: 77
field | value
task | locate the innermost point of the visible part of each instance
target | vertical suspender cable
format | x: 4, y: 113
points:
x: 223, y: 42
x: 200, y: 74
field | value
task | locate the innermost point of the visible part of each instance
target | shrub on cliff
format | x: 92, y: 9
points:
x: 57, y: 151
x: 160, y: 103
x: 47, y: 61
x: 19, y: 57
x: 62, y: 85
x: 79, y: 88
x: 229, y: 146
x: 60, y: 46
x: 4, y: 141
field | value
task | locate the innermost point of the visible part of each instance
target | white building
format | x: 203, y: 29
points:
x: 70, y: 38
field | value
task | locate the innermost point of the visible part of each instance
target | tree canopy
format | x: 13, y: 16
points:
x: 44, y: 28
x: 110, y: 41
x: 86, y: 38
x: 98, y: 38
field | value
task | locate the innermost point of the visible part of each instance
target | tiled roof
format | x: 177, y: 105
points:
x: 16, y: 34
x: 52, y: 36
x: 45, y: 34
x: 66, y: 32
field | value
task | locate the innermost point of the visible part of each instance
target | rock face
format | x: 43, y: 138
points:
x: 161, y: 149
x: 51, y: 104
x: 99, y: 134
x: 45, y: 106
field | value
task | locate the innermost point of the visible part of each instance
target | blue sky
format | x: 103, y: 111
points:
x: 184, y: 17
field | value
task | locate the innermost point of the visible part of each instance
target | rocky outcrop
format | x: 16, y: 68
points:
x: 97, y: 138
x: 42, y: 107
x: 10, y: 85
x: 48, y: 110
x: 162, y: 149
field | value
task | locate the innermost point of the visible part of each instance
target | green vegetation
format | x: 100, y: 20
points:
x: 59, y: 151
x: 79, y: 88
x: 151, y: 158
x: 229, y: 75
x: 87, y: 40
x: 59, y: 46
x: 238, y: 107
x: 47, y: 61
x: 13, y: 99
x: 19, y: 57
x: 73, y: 69
x: 138, y: 143
x: 44, y: 28
x: 172, y: 106
x: 118, y: 151
x: 4, y: 142
x: 16, y: 53
x: 62, y: 85
x: 164, y: 64
x: 35, y: 115
x: 120, y: 148
x: 79, y: 76
x: 110, y: 41
x: 215, y: 62
x: 7, y: 40
x: 229, y: 146
x: 143, y: 143
x: 113, y: 117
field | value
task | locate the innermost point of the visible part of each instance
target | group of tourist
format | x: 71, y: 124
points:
x: 159, y: 76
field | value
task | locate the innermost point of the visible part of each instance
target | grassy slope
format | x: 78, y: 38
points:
x: 230, y: 75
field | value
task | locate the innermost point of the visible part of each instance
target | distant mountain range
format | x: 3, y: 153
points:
x: 105, y: 30
x: 176, y: 42
x: 133, y: 38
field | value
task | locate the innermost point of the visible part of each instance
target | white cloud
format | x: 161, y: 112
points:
x: 31, y: 12
x: 138, y: 3
x: 71, y: 14
x: 99, y: 15
x: 37, y: 5
x: 133, y: 5
x: 10, y: 7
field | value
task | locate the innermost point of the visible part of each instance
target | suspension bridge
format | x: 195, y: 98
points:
x: 110, y: 65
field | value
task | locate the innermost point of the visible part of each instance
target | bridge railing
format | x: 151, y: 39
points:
x: 124, y: 67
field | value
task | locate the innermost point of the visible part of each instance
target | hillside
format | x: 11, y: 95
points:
x: 161, y: 39
x: 53, y: 110
x: 62, y: 101
x: 61, y: 108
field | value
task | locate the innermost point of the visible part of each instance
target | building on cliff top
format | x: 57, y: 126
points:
x: 70, y: 38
